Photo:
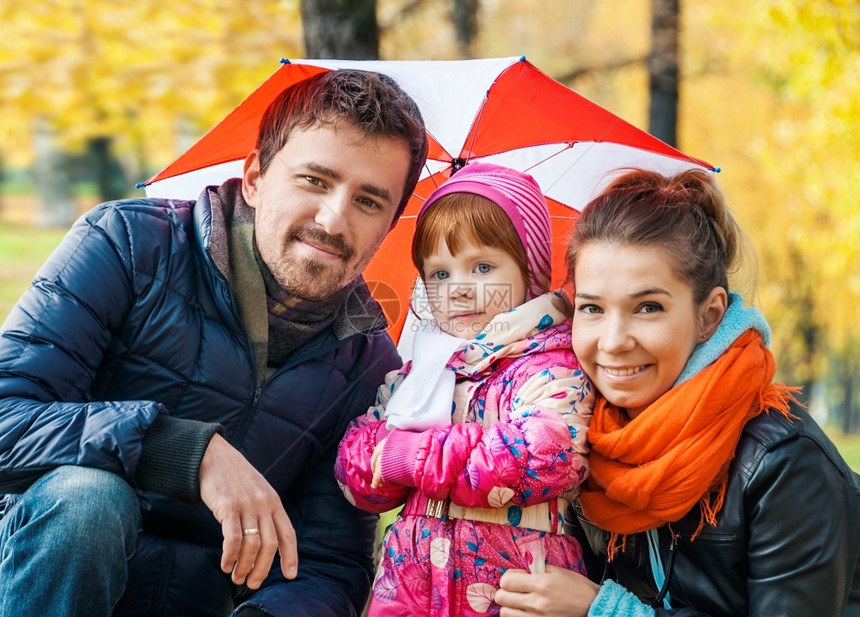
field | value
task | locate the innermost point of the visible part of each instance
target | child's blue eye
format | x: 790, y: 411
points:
x: 483, y: 268
x: 440, y: 275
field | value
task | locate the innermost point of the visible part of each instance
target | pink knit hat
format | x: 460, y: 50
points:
x: 519, y: 195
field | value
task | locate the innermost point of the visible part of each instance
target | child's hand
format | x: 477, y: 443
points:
x: 376, y: 465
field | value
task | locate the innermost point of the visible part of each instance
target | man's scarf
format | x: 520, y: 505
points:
x: 652, y: 470
x: 293, y: 320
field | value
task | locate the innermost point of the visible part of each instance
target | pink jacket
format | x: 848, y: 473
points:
x: 518, y: 438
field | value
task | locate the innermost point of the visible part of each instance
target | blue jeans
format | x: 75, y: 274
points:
x: 65, y: 542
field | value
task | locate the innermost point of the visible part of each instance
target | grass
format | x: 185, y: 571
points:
x: 23, y: 248
x: 848, y: 446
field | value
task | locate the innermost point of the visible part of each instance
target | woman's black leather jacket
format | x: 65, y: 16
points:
x: 786, y: 540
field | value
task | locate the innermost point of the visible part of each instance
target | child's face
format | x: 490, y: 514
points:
x: 468, y: 290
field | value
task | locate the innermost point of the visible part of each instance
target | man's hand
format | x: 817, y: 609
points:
x: 555, y: 593
x: 243, y: 501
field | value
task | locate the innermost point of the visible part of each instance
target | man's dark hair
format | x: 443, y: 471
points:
x: 373, y: 102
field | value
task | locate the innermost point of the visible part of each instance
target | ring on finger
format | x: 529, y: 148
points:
x: 251, y: 531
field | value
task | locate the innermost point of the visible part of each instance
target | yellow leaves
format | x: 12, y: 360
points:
x: 96, y: 68
x: 790, y: 99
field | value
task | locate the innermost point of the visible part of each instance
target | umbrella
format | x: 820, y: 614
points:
x: 500, y: 110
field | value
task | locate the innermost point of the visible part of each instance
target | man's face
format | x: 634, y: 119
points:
x: 324, y: 205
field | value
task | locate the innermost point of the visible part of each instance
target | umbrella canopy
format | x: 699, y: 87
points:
x: 499, y: 110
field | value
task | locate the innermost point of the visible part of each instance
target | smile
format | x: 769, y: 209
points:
x: 323, y: 245
x: 322, y: 250
x: 623, y: 372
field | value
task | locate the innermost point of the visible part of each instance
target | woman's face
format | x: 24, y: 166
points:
x: 635, y: 323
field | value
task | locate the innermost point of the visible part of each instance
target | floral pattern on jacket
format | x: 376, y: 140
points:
x: 518, y: 438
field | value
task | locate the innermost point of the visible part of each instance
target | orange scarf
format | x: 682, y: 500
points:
x: 652, y: 470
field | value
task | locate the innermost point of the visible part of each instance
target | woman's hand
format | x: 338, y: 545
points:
x: 555, y: 593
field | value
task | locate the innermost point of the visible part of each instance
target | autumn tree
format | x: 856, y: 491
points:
x: 135, y: 80
x: 779, y: 84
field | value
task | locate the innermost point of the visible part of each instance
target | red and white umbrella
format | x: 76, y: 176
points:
x: 500, y: 110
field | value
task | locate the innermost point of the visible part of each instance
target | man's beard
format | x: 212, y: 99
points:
x: 316, y: 279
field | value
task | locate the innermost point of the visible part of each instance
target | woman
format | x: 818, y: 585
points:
x: 707, y: 495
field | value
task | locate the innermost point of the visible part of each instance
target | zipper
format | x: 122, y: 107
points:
x: 222, y: 285
x: 314, y: 348
x: 669, y: 570
x: 247, y: 414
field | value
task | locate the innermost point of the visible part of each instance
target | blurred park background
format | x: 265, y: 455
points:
x: 96, y: 96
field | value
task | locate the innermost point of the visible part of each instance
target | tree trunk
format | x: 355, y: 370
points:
x: 341, y: 29
x: 663, y: 71
x: 848, y: 403
x: 846, y: 367
x: 109, y: 176
x: 464, y: 16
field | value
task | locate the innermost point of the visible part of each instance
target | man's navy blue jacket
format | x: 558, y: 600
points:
x: 128, y: 352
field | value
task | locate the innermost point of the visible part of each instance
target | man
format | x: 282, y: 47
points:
x: 174, y: 385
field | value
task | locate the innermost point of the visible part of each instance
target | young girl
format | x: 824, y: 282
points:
x: 482, y: 435
x: 707, y: 495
